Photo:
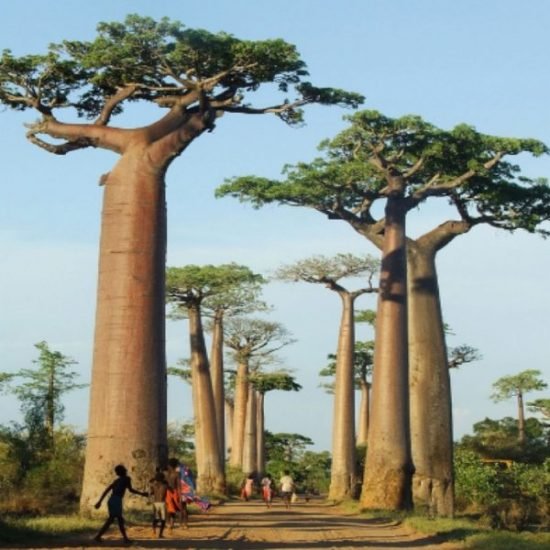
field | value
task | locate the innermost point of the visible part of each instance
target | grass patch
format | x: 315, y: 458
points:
x: 502, y: 540
x: 23, y: 529
x: 476, y: 536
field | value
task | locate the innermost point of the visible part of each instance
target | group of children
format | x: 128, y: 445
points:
x: 286, y: 485
x: 170, y: 491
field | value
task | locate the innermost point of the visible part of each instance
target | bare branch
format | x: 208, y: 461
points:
x: 112, y: 102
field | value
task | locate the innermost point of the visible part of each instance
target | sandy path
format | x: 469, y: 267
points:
x: 250, y: 526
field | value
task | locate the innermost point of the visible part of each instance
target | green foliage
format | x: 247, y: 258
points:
x: 285, y: 448
x: 498, y: 439
x: 476, y: 483
x: 41, y: 389
x: 467, y: 167
x: 281, y: 380
x: 363, y: 363
x: 508, y: 541
x: 287, y: 451
x: 474, y: 535
x: 181, y: 442
x: 518, y: 384
x: 509, y: 494
x: 160, y: 61
x: 460, y: 355
x: 541, y: 406
x: 37, y: 477
x: 224, y: 288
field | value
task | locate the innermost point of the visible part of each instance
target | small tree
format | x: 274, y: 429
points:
x: 41, y: 389
x: 517, y: 386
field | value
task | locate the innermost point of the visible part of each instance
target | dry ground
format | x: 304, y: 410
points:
x: 251, y: 526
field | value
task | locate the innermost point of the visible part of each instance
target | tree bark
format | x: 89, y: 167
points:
x: 250, y: 434
x: 521, y: 420
x: 364, y: 413
x: 239, y: 414
x: 228, y: 426
x: 260, y: 434
x: 342, y: 474
x: 210, y: 469
x: 388, y: 469
x: 216, y: 373
x: 127, y: 417
x: 429, y: 383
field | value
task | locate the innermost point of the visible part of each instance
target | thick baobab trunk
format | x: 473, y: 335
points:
x: 364, y: 413
x: 127, y: 416
x: 388, y: 468
x: 250, y: 434
x: 260, y: 433
x: 429, y: 383
x: 216, y: 373
x: 210, y: 470
x: 342, y: 473
x: 239, y: 415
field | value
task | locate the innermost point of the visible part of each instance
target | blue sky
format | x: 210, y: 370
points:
x: 483, y: 63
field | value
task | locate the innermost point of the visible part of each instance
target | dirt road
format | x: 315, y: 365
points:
x: 250, y: 526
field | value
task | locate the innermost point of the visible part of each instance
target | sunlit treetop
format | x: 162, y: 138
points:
x: 473, y: 171
x: 162, y: 62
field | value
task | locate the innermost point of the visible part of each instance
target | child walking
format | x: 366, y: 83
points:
x: 114, y: 503
x: 159, y: 488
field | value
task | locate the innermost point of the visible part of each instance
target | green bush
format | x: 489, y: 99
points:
x: 477, y: 485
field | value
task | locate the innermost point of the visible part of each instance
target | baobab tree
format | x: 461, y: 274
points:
x: 186, y: 289
x: 195, y: 76
x: 363, y: 356
x: 329, y: 272
x: 239, y: 297
x: 404, y: 163
x: 250, y: 340
x: 262, y: 383
x: 517, y: 386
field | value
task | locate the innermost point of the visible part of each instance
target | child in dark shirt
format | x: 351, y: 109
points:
x: 114, y: 503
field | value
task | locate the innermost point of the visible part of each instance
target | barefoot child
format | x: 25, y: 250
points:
x: 114, y: 503
x: 159, y: 488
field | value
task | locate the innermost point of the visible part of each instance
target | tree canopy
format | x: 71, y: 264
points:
x: 461, y: 164
x: 518, y: 384
x: 162, y: 62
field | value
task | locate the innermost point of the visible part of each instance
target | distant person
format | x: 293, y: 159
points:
x: 287, y: 488
x: 114, y: 503
x: 158, y: 490
x: 173, y: 493
x: 267, y: 489
x: 247, y: 487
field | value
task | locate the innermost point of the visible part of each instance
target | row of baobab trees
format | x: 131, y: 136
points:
x: 402, y: 164
x: 224, y: 295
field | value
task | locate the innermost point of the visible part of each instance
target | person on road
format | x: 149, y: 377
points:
x: 114, y: 504
x: 287, y: 488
